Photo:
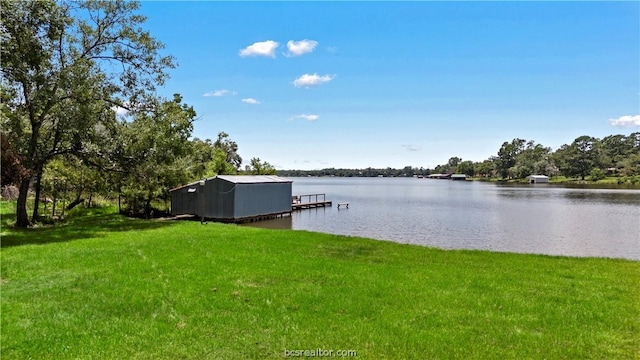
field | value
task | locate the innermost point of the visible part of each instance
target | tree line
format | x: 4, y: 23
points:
x: 80, y: 113
x: 80, y: 116
x: 586, y: 156
x: 617, y: 155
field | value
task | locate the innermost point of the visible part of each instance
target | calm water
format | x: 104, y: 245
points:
x: 540, y: 219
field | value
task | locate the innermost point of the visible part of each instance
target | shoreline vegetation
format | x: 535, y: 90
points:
x: 101, y: 285
x: 611, y: 182
x: 608, y: 182
x: 612, y: 160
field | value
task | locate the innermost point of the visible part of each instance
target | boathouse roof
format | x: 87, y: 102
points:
x: 253, y: 179
x: 240, y: 179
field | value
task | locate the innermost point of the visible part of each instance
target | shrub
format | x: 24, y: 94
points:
x: 597, y: 174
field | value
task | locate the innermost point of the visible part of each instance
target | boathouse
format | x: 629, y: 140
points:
x: 538, y: 179
x: 233, y: 198
x: 459, y: 177
x: 440, y: 176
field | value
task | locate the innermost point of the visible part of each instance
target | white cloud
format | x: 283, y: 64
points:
x: 332, y: 49
x: 297, y: 48
x: 263, y: 48
x: 308, y: 80
x: 221, y: 92
x: 627, y: 121
x: 310, y: 117
x: 251, y: 101
x: 409, y: 147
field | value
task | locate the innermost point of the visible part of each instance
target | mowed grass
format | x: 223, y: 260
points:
x: 106, y: 287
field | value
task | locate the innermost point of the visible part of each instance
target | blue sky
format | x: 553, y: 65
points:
x: 310, y: 85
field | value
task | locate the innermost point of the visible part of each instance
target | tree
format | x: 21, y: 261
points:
x: 55, y: 183
x: 230, y: 149
x: 631, y: 166
x: 507, y: 156
x: 561, y: 158
x: 533, y: 159
x: 581, y: 156
x: 202, y: 156
x: 258, y: 167
x: 219, y: 158
x: 219, y: 164
x: 616, y: 149
x: 158, y: 150
x: 69, y: 175
x: 485, y: 168
x: 66, y: 66
x: 466, y: 167
x: 453, y: 164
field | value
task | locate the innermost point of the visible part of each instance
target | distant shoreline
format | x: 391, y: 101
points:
x: 608, y: 183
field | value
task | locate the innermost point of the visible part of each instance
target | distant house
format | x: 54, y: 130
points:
x: 538, y: 179
x: 233, y: 198
x: 459, y: 177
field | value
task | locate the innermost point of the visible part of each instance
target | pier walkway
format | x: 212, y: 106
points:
x: 309, y: 201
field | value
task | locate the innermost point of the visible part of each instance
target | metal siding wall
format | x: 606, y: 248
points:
x: 212, y: 210
x: 189, y: 201
x: 226, y: 200
x: 219, y: 199
x: 262, y: 199
x: 183, y: 202
x: 227, y: 192
x: 174, y: 203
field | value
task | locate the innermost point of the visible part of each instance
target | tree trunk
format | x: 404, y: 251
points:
x: 64, y: 196
x: 147, y: 209
x: 74, y: 204
x: 22, y: 218
x: 36, y: 200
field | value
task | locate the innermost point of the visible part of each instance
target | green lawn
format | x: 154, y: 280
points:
x: 105, y: 287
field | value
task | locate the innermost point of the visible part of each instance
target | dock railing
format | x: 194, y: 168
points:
x: 310, y: 198
x: 308, y: 201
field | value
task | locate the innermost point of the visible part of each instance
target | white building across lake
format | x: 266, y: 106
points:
x: 458, y: 177
x: 538, y: 179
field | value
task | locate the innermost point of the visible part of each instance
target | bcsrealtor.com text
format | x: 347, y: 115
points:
x: 319, y: 353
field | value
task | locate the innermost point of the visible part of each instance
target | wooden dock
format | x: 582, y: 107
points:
x: 309, y: 201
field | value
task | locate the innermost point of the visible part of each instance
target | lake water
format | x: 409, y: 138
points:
x: 541, y: 219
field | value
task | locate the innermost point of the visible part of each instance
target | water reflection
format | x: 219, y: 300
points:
x: 283, y: 223
x: 539, y: 192
x: 471, y: 215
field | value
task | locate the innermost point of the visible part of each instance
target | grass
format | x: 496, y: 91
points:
x: 103, y: 286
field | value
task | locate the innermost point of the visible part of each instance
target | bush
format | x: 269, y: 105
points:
x: 633, y: 180
x: 597, y: 174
